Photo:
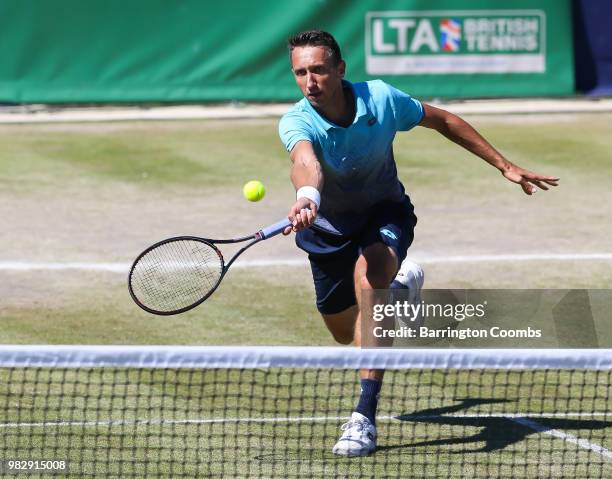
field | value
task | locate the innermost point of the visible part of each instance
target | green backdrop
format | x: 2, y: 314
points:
x: 195, y: 50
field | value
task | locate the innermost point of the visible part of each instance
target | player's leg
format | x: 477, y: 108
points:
x: 336, y: 301
x: 383, y: 245
x: 397, y: 226
x: 332, y: 261
x: 375, y: 269
x: 342, y: 324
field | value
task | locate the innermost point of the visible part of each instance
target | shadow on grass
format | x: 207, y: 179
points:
x: 497, y: 431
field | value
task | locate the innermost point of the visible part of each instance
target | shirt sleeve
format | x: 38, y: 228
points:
x: 408, y: 111
x: 292, y: 128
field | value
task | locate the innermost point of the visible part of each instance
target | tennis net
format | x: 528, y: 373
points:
x: 129, y: 412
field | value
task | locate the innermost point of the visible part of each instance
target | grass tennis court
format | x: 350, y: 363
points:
x: 282, y: 423
x: 103, y: 192
x: 100, y: 193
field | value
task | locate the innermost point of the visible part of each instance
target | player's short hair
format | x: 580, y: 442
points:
x: 316, y: 38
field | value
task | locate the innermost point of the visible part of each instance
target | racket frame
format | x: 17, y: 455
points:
x: 262, y: 234
x: 256, y: 238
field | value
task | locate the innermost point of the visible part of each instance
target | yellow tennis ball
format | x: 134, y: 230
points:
x: 253, y: 190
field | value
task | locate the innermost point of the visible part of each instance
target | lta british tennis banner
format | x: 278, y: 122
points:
x: 476, y: 41
x: 464, y: 48
x: 189, y: 50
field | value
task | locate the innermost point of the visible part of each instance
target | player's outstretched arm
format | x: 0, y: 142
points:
x: 307, y: 177
x: 461, y: 132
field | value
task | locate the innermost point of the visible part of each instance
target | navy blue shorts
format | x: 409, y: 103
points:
x: 333, y: 257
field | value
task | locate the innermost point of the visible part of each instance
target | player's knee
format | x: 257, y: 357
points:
x: 342, y: 337
x: 378, y: 267
x: 374, y: 280
x: 342, y: 334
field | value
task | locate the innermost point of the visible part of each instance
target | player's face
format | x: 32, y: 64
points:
x: 319, y: 78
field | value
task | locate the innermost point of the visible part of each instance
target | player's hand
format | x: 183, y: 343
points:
x: 528, y: 179
x: 302, y: 215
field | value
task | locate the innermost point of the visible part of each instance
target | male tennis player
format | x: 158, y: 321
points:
x: 352, y: 215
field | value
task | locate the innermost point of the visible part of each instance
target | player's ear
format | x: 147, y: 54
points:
x: 341, y: 68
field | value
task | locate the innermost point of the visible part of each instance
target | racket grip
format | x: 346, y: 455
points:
x: 274, y: 229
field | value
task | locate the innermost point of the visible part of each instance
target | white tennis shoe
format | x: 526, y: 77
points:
x: 411, y: 277
x: 358, y: 438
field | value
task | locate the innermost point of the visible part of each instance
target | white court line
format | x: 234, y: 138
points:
x: 124, y: 267
x: 515, y: 257
x: 408, y: 417
x: 583, y: 443
x: 63, y: 266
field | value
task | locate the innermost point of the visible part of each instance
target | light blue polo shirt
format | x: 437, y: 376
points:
x: 357, y: 162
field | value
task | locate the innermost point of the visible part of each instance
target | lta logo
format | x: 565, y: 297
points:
x: 450, y: 34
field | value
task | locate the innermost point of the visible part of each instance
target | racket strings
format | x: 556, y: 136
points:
x: 176, y: 274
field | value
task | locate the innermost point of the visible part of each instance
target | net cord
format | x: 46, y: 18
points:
x: 248, y: 357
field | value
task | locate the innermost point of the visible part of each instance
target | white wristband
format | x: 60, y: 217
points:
x: 311, y: 193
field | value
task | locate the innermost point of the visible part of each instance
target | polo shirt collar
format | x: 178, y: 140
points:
x: 361, y: 109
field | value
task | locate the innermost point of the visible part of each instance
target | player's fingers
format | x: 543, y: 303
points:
x: 297, y: 224
x: 552, y: 182
x: 548, y: 178
x: 306, y: 217
x: 299, y: 221
x: 539, y: 184
x: 287, y: 230
x: 314, y: 209
x: 309, y: 217
x: 294, y: 215
x: 528, y: 188
x: 301, y: 215
x: 530, y: 175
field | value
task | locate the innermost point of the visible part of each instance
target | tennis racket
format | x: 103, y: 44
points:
x: 177, y: 274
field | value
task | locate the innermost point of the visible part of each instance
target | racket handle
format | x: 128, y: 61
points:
x: 274, y: 229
